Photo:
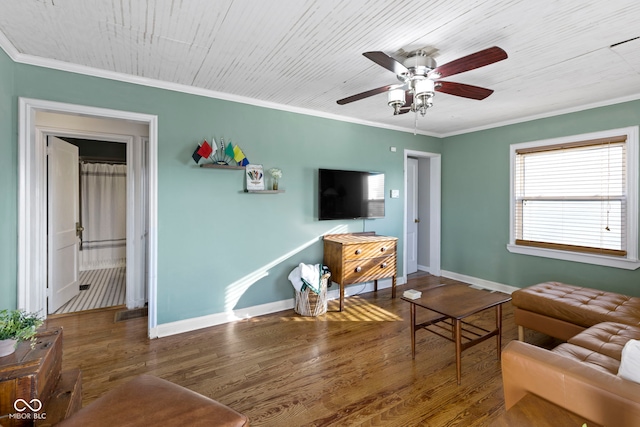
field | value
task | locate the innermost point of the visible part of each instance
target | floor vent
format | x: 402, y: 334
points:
x: 84, y: 287
x: 131, y: 314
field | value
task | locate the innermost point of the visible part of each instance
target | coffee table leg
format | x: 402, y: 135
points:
x: 458, y: 341
x: 499, y: 327
x: 413, y: 330
x: 341, y: 296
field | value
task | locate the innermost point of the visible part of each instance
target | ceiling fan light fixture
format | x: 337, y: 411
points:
x: 423, y: 92
x: 396, y: 99
x: 423, y: 88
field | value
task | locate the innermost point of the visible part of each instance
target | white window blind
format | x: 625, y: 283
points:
x: 572, y: 196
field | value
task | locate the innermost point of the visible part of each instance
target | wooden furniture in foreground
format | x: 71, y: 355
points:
x: 360, y: 257
x: 533, y: 411
x: 451, y: 304
x: 33, y: 377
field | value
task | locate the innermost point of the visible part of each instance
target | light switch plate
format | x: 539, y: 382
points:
x: 395, y: 194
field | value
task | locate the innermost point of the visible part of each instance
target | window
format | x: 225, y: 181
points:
x: 575, y: 198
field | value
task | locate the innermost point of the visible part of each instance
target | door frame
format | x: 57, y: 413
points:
x: 435, y: 177
x: 32, y: 199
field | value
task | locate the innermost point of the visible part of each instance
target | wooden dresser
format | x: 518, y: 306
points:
x: 360, y: 257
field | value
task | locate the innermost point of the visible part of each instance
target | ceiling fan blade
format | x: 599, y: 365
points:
x: 470, y: 62
x: 368, y: 93
x: 463, y: 90
x: 386, y: 61
x: 408, y: 99
x: 407, y: 104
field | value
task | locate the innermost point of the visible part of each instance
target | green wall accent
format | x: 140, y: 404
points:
x: 475, y: 204
x: 219, y: 248
x: 8, y: 184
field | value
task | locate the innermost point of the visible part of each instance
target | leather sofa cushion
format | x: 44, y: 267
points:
x: 582, y: 306
x: 607, y: 338
x: 588, y: 357
x: 150, y: 401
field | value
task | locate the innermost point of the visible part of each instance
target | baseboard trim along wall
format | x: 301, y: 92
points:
x: 487, y: 284
x: 188, y: 325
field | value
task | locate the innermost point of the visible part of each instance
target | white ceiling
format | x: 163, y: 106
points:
x: 303, y: 55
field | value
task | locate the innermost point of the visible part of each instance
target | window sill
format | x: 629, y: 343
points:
x: 607, y: 261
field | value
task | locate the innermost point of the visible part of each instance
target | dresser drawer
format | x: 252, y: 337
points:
x: 369, y: 250
x: 365, y: 270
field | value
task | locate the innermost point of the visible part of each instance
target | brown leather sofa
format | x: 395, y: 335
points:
x: 579, y: 375
x: 562, y: 310
x: 151, y: 401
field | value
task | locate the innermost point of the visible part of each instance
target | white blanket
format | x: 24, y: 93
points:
x: 306, y: 275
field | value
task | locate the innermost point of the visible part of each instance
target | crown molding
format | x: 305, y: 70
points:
x: 54, y: 64
x: 22, y: 58
x: 9, y: 48
x: 546, y: 115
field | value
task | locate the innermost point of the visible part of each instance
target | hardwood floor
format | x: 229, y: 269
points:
x: 340, y: 369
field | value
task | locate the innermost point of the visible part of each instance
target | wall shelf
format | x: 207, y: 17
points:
x: 216, y: 166
x: 264, y: 191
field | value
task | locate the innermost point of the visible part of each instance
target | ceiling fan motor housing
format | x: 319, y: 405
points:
x: 419, y: 64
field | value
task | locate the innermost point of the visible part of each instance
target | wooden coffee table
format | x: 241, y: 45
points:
x: 451, y: 304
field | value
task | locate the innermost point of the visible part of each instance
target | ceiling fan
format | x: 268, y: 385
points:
x: 419, y: 76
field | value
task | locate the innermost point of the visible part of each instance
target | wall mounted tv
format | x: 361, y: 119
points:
x: 348, y: 194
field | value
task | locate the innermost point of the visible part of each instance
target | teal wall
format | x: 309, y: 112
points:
x: 219, y: 248
x: 8, y: 185
x: 475, y: 204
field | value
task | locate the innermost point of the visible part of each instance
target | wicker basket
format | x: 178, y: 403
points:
x: 308, y: 303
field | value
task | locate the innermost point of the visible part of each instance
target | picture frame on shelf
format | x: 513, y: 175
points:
x: 255, y: 177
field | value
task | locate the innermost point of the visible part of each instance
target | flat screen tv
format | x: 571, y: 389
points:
x: 349, y: 194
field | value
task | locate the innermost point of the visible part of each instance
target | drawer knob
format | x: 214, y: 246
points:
x: 382, y: 249
x: 358, y: 251
x: 358, y: 269
x: 383, y: 265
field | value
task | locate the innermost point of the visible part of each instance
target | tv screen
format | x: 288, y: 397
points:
x: 347, y: 194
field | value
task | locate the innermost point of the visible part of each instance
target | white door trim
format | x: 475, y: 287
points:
x: 32, y: 265
x: 434, y: 210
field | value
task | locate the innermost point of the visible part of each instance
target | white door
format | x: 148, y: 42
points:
x: 412, y: 215
x: 63, y: 220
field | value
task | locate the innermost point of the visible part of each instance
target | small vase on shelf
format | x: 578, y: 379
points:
x: 276, y: 174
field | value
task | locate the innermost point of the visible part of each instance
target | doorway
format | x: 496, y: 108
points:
x: 100, y: 197
x: 422, y: 178
x: 141, y: 197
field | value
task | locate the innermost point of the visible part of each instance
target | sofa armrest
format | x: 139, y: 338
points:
x: 575, y: 386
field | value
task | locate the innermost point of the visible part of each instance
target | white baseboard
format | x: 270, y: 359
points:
x: 487, y: 284
x: 187, y: 325
x: 424, y: 268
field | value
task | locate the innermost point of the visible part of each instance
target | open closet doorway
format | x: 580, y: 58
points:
x: 41, y: 120
x: 422, y: 177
